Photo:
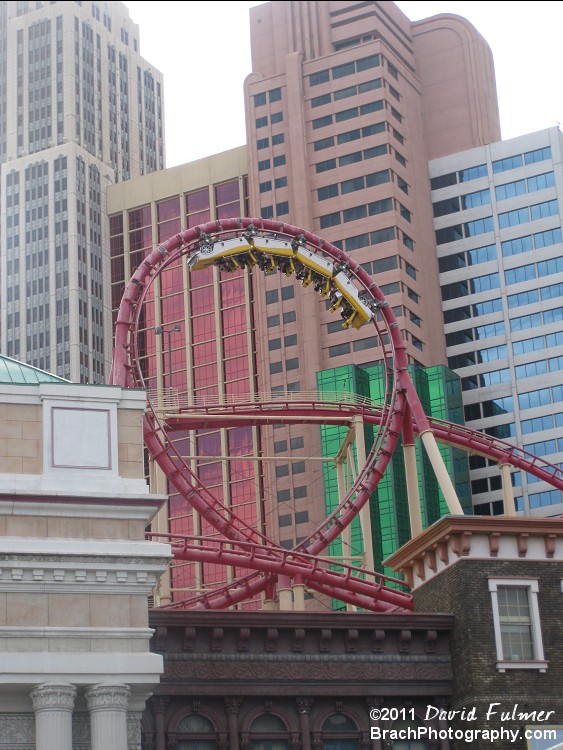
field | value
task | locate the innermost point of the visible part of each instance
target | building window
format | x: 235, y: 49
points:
x: 340, y: 732
x: 517, y: 624
x: 268, y: 732
x: 196, y: 732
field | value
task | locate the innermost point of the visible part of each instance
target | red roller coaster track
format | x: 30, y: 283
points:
x: 399, y: 414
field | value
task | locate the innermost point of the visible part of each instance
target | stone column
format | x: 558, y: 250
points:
x: 233, y: 707
x: 303, y: 708
x: 159, y: 708
x: 53, y: 703
x: 107, y: 703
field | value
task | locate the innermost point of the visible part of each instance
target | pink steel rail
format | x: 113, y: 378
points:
x: 242, y: 545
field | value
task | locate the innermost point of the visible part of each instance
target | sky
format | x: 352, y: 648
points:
x: 203, y: 52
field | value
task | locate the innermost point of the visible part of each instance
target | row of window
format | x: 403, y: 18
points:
x: 465, y: 335
x: 272, y: 296
x: 289, y: 340
x: 361, y: 88
x: 352, y: 112
x: 284, y: 496
x: 278, y: 367
x: 461, y: 203
x: 279, y: 182
x: 545, y: 447
x: 467, y: 359
x: 301, y: 516
x: 507, y: 219
x: 358, y: 183
x: 502, y: 192
x: 465, y: 312
x: 532, y: 242
x: 297, y: 467
x: 281, y: 209
x: 353, y: 158
x: 536, y: 319
x: 467, y: 258
x: 528, y: 213
x: 492, y: 281
x: 461, y: 231
x: 275, y: 117
x: 380, y: 265
x: 499, y: 165
x: 544, y: 499
x: 541, y: 397
x: 363, y: 211
x: 295, y: 443
x: 535, y: 295
x: 534, y: 271
x: 528, y: 370
x: 276, y: 139
x: 490, y: 408
x: 375, y: 238
x: 277, y: 161
x: 519, y: 160
x: 275, y: 320
x: 347, y: 69
x: 355, y: 135
x: 274, y: 95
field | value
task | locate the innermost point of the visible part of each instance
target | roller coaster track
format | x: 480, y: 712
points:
x: 265, y: 244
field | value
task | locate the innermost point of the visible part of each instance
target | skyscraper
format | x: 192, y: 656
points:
x: 80, y: 109
x: 345, y: 113
x: 197, y: 334
x: 497, y: 214
x: 346, y: 104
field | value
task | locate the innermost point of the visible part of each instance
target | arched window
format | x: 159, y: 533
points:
x: 195, y: 732
x: 268, y: 732
x: 410, y: 731
x: 340, y: 733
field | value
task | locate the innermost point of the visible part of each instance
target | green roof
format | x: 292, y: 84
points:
x: 12, y: 371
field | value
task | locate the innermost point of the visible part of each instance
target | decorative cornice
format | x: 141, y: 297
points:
x: 224, y: 673
x: 78, y: 573
x: 283, y: 622
x: 84, y: 505
x: 309, y: 658
x: 455, y: 538
x: 103, y: 634
x: 471, y: 525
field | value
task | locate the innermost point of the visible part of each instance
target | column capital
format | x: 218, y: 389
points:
x: 233, y: 705
x: 304, y: 705
x: 107, y: 695
x: 53, y: 696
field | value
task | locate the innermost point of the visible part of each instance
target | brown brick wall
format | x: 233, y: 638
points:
x: 463, y: 591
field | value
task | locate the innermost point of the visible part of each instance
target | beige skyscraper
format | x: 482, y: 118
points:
x: 346, y: 104
x: 80, y: 109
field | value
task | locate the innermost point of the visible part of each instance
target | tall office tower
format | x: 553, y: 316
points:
x: 346, y: 104
x: 500, y: 248
x: 204, y: 346
x: 79, y: 110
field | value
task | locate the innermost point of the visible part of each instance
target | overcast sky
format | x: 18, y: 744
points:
x: 203, y: 51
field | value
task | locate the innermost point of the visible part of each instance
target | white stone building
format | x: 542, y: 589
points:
x: 76, y: 571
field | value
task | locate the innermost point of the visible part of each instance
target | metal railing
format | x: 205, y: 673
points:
x: 172, y: 400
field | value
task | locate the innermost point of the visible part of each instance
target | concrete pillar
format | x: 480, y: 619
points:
x: 507, y: 496
x: 298, y: 596
x: 107, y: 704
x: 444, y: 479
x: 413, y: 492
x: 285, y: 596
x: 53, y: 703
